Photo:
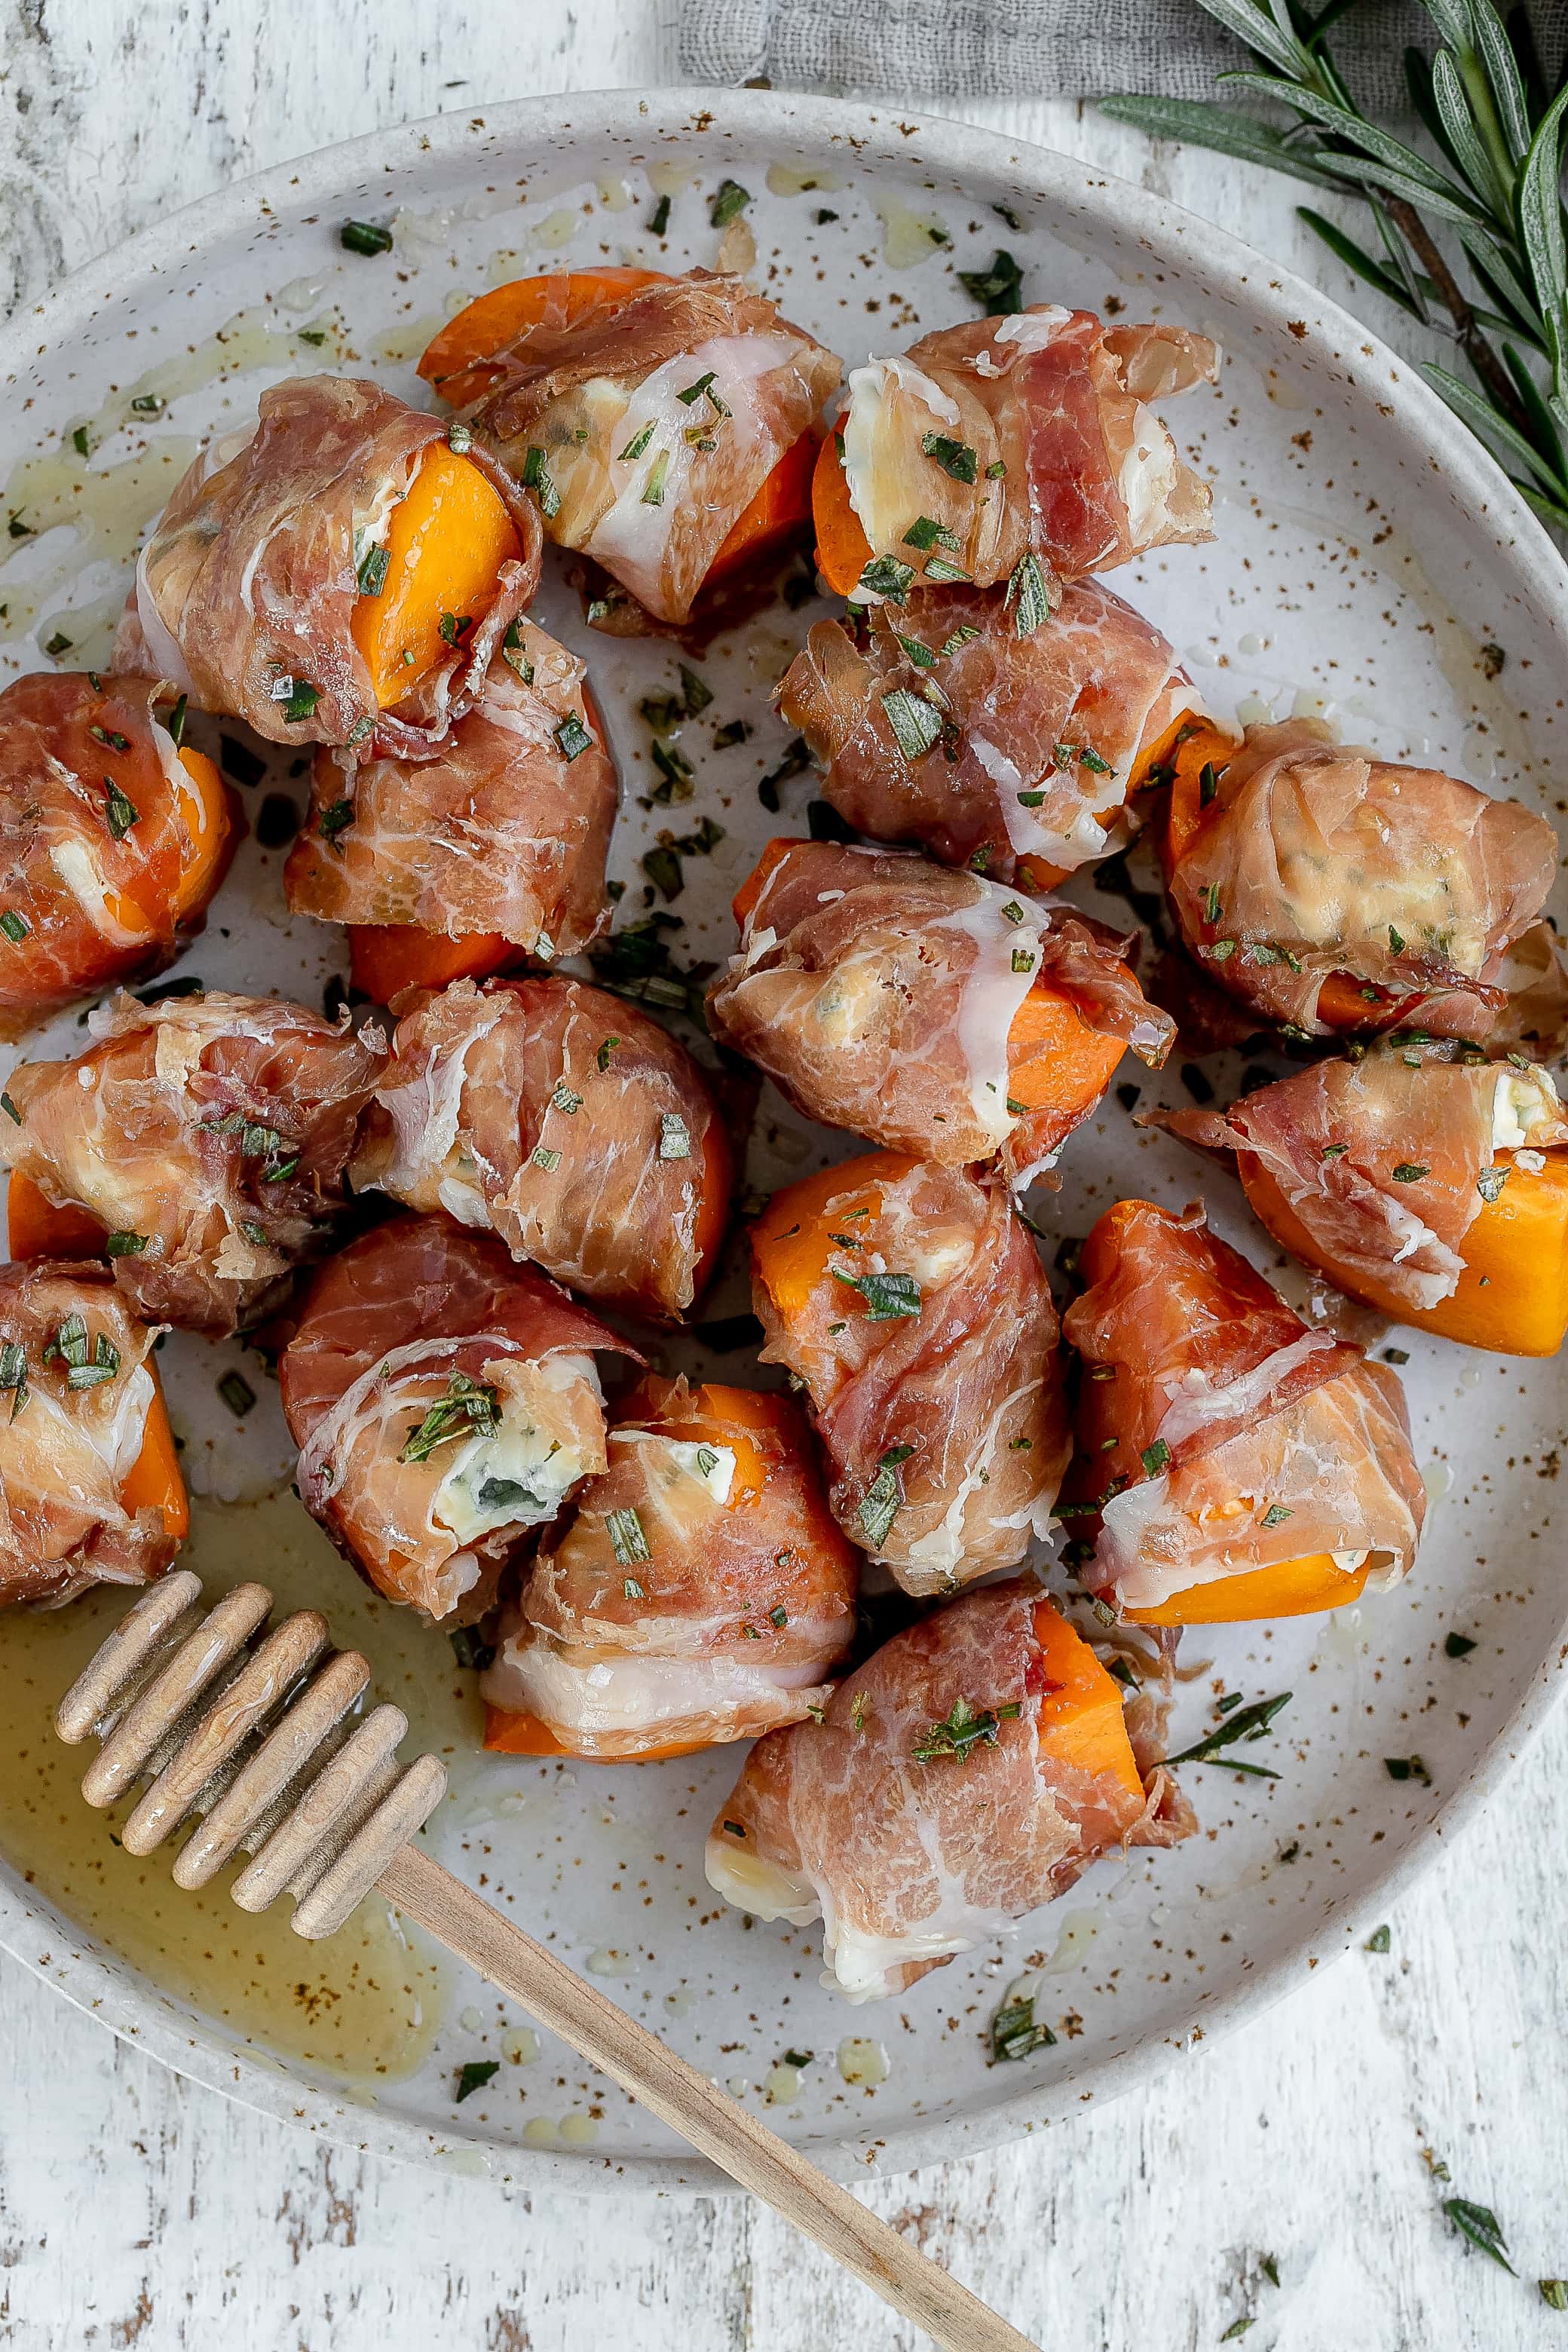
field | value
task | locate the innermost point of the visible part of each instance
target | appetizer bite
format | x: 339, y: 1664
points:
x: 663, y: 424
x: 564, y: 1120
x: 340, y: 573
x: 1231, y: 1464
x: 927, y: 1009
x: 701, y: 1592
x: 1014, y: 752
x: 910, y: 1303
x: 1423, y: 1179
x: 446, y: 1404
x: 1019, y: 449
x: 91, y: 1491
x: 1329, y: 890
x: 112, y: 839
x: 493, y: 849
x: 967, y: 1773
x: 200, y: 1144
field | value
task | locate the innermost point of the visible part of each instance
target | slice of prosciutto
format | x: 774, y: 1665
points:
x: 504, y: 830
x: 112, y: 840
x: 943, y: 1796
x: 701, y: 1592
x: 1221, y: 1435
x: 927, y: 1009
x: 1024, y: 449
x: 1026, y: 755
x: 247, y: 589
x: 566, y: 1121
x: 646, y: 428
x: 1327, y: 888
x: 1386, y: 1162
x: 208, y: 1134
x: 446, y: 1404
x: 909, y: 1301
x: 78, y: 1388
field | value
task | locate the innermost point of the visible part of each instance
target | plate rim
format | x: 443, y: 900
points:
x: 114, y: 1991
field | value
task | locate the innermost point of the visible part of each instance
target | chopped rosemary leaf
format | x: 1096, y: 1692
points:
x: 236, y: 1394
x: 659, y: 219
x: 1489, y: 1183
x: 80, y: 442
x: 887, y: 1296
x: 662, y: 866
x: 1015, y: 2032
x: 1407, y: 1767
x: 545, y: 1159
x: 468, y: 1408
x: 125, y: 1244
x: 109, y: 739
x: 628, y: 1540
x: 1410, y: 1171
x: 961, y: 636
x: 998, y: 290
x: 564, y: 1099
x: 638, y: 442
x: 943, y: 573
x: 537, y: 477
x: 1209, y: 783
x: 796, y: 759
x: 730, y: 201
x: 335, y: 819
x: 1481, y: 2226
x: 964, y: 1728
x: 883, y: 1498
x: 469, y: 1650
x: 364, y: 237
x: 374, y: 567
x: 607, y: 1048
x: 58, y: 644
x: 149, y: 403
x: 698, y: 694
x: 924, y: 532
x: 1155, y: 1457
x: 1378, y: 1941
x: 659, y: 474
x: 118, y: 813
x: 886, y: 576
x: 674, y: 1136
x: 302, y: 699
x: 1458, y: 1645
x: 956, y: 458
x: 572, y: 736
x: 473, y: 2075
x: 1029, y: 592
x: 1275, y: 1515
x: 9, y: 1108
x: 16, y: 926
x: 915, y: 725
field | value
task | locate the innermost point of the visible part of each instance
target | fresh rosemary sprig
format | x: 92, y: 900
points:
x: 1497, y: 135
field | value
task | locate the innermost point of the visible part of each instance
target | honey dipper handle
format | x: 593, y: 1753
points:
x: 708, y: 2121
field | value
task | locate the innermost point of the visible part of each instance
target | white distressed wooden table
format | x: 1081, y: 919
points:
x: 139, y: 2212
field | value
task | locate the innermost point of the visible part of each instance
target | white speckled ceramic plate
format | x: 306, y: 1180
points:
x: 1366, y: 553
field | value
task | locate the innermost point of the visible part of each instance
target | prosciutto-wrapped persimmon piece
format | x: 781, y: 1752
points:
x: 1236, y: 1463
x: 204, y: 1139
x: 701, y: 1591
x: 663, y: 424
x: 112, y: 839
x: 565, y: 1120
x: 446, y: 1404
x: 1328, y: 889
x: 926, y: 1010
x: 967, y: 1773
x: 1022, y: 449
x: 1423, y: 1179
x: 1016, y: 755
x: 341, y: 571
x: 91, y: 1491
x: 910, y: 1303
x: 495, y: 848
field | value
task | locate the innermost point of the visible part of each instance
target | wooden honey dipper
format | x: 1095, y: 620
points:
x: 257, y: 1732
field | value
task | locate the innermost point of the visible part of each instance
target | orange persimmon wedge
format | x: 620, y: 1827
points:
x: 1205, y: 745
x: 444, y: 544
x: 1292, y: 1588
x: 1057, y: 1062
x: 154, y: 1481
x: 1512, y: 1296
x: 751, y: 889
x: 457, y: 359
x: 843, y: 549
x: 204, y: 804
x: 1080, y: 1722
x: 524, y: 1735
x: 792, y: 1241
x: 386, y: 957
x: 778, y: 514
x: 36, y: 1228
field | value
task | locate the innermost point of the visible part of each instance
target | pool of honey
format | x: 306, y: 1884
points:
x: 363, y: 2005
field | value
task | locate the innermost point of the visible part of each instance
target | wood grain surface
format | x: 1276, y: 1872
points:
x: 141, y: 2214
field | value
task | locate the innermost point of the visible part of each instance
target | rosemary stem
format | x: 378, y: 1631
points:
x: 1475, y: 348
